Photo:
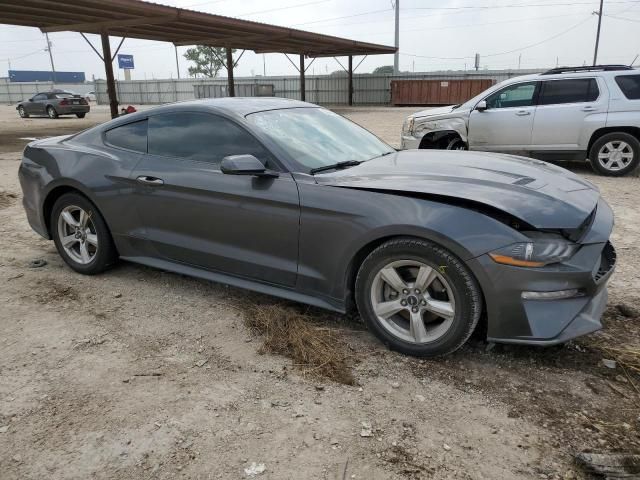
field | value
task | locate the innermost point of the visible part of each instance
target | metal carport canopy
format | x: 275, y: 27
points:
x: 150, y: 21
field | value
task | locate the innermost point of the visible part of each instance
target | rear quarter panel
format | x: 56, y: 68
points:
x: 98, y: 173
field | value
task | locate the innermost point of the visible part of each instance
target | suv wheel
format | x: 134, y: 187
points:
x: 456, y: 144
x: 615, y: 154
x: 22, y: 112
x: 81, y: 235
x: 417, y: 297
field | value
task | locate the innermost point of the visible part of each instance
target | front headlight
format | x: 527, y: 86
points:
x: 407, y: 126
x: 537, y: 253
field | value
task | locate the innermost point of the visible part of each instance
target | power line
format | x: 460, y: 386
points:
x: 492, y: 7
x: 340, y: 18
x: 510, y: 51
x: 282, y: 8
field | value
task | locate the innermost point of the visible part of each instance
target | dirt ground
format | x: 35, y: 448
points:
x: 139, y: 373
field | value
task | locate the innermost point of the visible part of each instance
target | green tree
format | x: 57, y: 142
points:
x: 384, y: 70
x: 208, y: 60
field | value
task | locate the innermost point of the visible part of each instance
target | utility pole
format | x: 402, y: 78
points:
x: 519, y: 61
x: 396, y: 56
x: 264, y: 66
x: 177, y: 64
x: 48, y: 49
x: 599, y: 13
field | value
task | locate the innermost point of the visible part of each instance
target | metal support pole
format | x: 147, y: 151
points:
x: 595, y: 52
x: 302, y: 86
x: 396, y: 56
x: 108, y: 68
x: 177, y: 64
x: 350, y: 80
x: 230, y: 86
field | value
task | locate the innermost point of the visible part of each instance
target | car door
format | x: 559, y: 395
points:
x: 507, y: 122
x: 569, y: 111
x: 37, y: 104
x: 190, y: 212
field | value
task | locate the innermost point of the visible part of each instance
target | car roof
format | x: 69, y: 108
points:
x: 244, y: 105
x: 578, y: 74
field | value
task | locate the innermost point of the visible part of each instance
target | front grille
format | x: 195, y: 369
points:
x: 607, y: 261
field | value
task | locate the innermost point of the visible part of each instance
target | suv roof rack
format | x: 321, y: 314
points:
x: 592, y: 68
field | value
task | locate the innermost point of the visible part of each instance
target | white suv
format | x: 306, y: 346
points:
x: 562, y: 114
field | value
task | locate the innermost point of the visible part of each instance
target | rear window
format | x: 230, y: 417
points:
x: 132, y: 136
x: 571, y: 90
x: 630, y: 86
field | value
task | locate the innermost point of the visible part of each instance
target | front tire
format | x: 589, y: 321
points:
x: 417, y: 297
x: 51, y: 112
x: 615, y: 154
x: 81, y: 235
x: 22, y: 112
x: 456, y: 144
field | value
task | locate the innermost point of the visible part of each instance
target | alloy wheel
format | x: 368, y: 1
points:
x: 77, y: 234
x: 615, y: 155
x: 413, y: 301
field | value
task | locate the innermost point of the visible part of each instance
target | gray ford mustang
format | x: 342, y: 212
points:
x: 290, y: 199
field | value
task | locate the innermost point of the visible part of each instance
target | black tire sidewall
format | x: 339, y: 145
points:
x: 610, y: 137
x: 22, y: 112
x: 51, y: 109
x: 105, y: 256
x: 80, y: 115
x: 466, y: 293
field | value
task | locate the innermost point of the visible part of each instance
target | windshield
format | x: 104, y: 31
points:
x: 316, y: 137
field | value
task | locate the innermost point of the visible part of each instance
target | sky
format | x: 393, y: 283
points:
x: 434, y: 35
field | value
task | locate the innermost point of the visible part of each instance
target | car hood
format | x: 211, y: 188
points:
x: 440, y: 112
x: 540, y: 194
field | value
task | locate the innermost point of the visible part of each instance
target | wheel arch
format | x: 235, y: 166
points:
x: 55, y: 193
x: 354, y: 264
x: 439, y: 139
x: 634, y: 131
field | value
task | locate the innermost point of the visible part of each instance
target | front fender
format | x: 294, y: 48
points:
x: 337, y: 224
x: 441, y: 128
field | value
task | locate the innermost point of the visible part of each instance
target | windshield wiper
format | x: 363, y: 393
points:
x: 345, y: 164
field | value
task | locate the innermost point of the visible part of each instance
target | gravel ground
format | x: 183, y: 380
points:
x: 140, y: 373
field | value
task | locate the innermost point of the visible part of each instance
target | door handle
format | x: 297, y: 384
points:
x: 145, y: 180
x: 588, y: 109
x: 522, y: 113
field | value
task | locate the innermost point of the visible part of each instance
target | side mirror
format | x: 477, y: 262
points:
x: 31, y: 99
x: 245, y: 165
x: 481, y: 106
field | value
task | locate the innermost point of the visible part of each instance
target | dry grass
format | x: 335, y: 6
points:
x: 317, y: 351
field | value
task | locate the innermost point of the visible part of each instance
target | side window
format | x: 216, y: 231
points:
x: 630, y: 86
x: 131, y: 136
x: 201, y: 136
x: 520, y: 95
x: 574, y: 90
x: 40, y: 96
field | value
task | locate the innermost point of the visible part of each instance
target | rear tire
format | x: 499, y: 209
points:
x: 51, y: 112
x: 80, y: 115
x: 81, y: 235
x: 432, y: 310
x: 615, y: 154
x: 22, y: 112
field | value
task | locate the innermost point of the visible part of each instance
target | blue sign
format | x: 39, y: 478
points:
x: 125, y: 61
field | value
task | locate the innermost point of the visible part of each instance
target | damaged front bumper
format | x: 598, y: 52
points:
x: 572, y: 295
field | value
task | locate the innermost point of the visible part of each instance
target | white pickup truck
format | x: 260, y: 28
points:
x: 562, y: 114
